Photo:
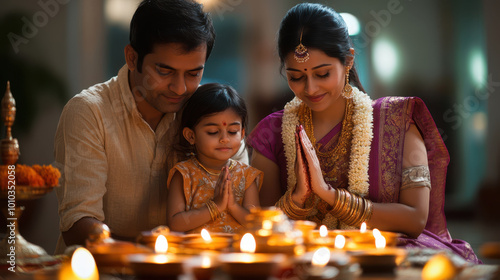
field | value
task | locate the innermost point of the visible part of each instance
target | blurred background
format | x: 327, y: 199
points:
x: 445, y: 52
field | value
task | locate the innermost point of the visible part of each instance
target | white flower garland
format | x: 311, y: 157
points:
x: 360, y: 147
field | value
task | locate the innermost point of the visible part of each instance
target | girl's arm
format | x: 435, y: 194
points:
x: 270, y: 192
x: 250, y: 200
x: 178, y: 219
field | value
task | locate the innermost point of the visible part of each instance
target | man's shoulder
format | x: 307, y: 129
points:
x: 96, y: 96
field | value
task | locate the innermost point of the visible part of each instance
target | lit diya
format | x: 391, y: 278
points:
x: 274, y: 232
x: 248, y: 264
x: 82, y: 267
x: 175, y: 239
x: 203, y: 266
x: 337, y: 258
x: 158, y: 264
x: 321, y: 238
x: 381, y: 259
x: 319, y: 269
x: 365, y: 239
x: 112, y: 256
x: 208, y: 241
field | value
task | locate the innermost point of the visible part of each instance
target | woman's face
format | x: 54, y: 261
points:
x: 318, y: 82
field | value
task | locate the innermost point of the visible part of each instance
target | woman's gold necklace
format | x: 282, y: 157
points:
x: 231, y: 165
x: 341, y: 149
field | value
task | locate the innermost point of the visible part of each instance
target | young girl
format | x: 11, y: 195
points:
x: 210, y: 190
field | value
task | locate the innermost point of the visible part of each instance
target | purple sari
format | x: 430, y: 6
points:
x: 392, y: 117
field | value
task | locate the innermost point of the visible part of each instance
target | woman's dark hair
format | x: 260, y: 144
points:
x: 209, y: 99
x: 322, y: 28
x: 170, y: 21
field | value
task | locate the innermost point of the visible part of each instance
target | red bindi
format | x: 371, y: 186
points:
x: 224, y: 123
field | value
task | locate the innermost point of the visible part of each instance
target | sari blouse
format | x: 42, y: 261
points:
x: 392, y: 117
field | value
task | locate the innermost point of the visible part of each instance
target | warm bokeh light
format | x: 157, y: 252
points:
x: 206, y: 262
x: 439, y: 267
x: 323, y: 231
x: 206, y: 235
x: 379, y: 242
x: 161, y: 244
x: 362, y: 229
x: 266, y: 224
x: 352, y: 22
x: 321, y: 257
x: 247, y: 243
x: 339, y: 241
x: 83, y: 264
x: 376, y: 232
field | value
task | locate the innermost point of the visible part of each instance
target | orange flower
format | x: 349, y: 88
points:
x: 49, y: 174
x: 36, y: 176
x: 27, y: 176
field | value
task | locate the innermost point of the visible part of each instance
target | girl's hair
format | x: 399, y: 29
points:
x: 207, y: 100
x: 322, y: 28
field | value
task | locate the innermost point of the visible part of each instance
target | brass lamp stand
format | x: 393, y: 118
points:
x: 14, y: 246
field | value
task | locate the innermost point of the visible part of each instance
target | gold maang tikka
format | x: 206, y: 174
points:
x: 301, y: 54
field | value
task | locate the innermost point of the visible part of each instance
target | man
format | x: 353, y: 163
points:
x: 114, y: 140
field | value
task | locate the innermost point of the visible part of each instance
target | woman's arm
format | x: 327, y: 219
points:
x: 413, y: 202
x: 270, y: 192
x: 250, y: 200
x: 179, y: 219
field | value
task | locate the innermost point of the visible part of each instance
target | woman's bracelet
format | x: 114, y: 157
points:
x: 293, y: 211
x: 350, y: 208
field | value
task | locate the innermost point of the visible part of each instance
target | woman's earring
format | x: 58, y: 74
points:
x: 347, y: 90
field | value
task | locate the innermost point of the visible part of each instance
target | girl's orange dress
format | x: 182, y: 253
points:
x: 199, y: 186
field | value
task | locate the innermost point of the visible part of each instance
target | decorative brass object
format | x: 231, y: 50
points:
x: 9, y: 145
x: 14, y: 249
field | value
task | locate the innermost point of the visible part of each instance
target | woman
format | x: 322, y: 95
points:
x: 382, y: 162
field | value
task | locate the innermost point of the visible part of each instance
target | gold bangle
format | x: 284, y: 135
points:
x: 293, y: 211
x: 214, y: 210
x: 340, y: 204
x: 353, y: 210
x: 210, y: 210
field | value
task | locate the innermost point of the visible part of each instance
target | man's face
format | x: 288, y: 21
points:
x: 169, y: 76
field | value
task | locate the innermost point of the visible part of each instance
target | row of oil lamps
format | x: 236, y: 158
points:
x: 273, y: 246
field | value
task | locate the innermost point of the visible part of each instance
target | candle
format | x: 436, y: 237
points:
x: 161, y: 248
x: 321, y: 257
x: 362, y: 228
x: 325, y: 238
x: 249, y: 264
x: 318, y: 269
x: 379, y: 240
x: 83, y: 267
x: 202, y: 266
x: 339, y: 241
x: 380, y: 259
x: 247, y: 243
x: 207, y: 241
x: 160, y: 263
x: 206, y: 236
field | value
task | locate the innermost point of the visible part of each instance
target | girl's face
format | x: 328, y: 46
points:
x: 217, y: 137
x: 318, y: 82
